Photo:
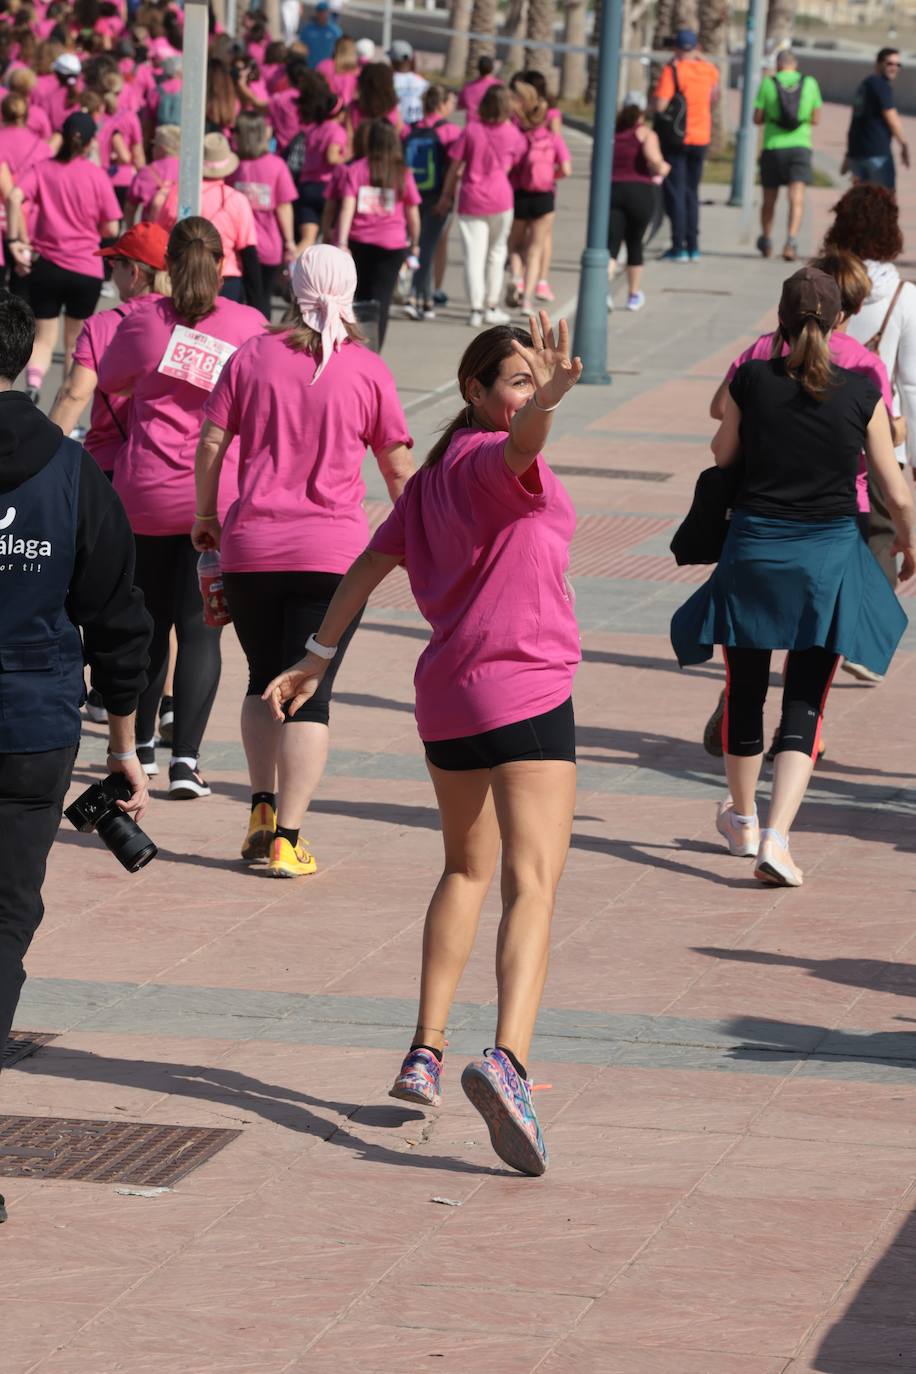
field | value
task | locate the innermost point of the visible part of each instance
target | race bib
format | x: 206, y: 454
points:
x: 258, y: 193
x: 195, y: 357
x: 375, y: 200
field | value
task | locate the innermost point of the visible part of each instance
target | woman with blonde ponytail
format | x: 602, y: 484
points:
x: 794, y: 572
x: 168, y: 354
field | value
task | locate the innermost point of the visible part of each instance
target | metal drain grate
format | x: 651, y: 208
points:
x: 612, y: 474
x: 105, y: 1151
x: 23, y: 1043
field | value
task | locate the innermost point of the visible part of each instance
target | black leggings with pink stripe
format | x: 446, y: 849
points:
x: 807, y: 676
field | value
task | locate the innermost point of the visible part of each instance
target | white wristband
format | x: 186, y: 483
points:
x: 545, y: 410
x: 121, y: 757
x: 320, y: 650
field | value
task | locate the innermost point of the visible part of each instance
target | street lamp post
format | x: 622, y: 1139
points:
x: 193, y: 105
x: 743, y: 169
x: 590, y: 339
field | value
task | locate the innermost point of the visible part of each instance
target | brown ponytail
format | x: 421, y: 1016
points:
x: 195, y: 257
x: 15, y: 109
x: 809, y: 361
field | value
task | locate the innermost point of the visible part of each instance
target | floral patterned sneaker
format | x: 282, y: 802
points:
x: 504, y: 1101
x: 419, y: 1079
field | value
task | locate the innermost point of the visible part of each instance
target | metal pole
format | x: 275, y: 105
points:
x: 590, y: 340
x: 386, y: 26
x: 232, y: 17
x: 193, y: 104
x: 746, y: 138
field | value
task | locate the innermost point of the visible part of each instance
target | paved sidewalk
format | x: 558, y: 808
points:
x: 730, y: 1121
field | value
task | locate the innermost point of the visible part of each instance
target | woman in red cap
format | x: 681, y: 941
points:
x: 794, y: 572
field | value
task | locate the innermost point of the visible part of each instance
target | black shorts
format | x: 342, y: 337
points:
x: 550, y: 736
x: 782, y: 166
x: 309, y: 208
x: 274, y: 613
x: 53, y: 288
x: 534, y: 204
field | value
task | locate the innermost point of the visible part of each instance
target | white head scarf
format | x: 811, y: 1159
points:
x: 323, y: 280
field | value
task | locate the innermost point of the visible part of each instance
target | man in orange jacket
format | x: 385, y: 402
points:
x: 698, y: 81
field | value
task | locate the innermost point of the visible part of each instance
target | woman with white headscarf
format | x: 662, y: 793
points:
x: 305, y: 400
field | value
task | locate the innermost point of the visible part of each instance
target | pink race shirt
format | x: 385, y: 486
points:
x: 379, y: 216
x: 486, y: 554
x: 472, y: 94
x: 38, y: 122
x: 266, y: 183
x: 284, y: 117
x: 343, y: 84
x: 323, y: 136
x: 489, y: 152
x: 109, y: 418
x: 169, y: 368
x: 230, y: 214
x: 21, y: 148
x: 848, y: 353
x: 73, y: 201
x: 150, y: 180
x: 301, y: 452
x: 127, y: 125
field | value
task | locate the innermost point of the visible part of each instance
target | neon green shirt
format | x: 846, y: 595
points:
x: 774, y: 135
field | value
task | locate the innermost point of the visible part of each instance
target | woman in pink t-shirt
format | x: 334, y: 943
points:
x: 161, y: 173
x: 534, y: 179
x: 75, y: 207
x: 326, y: 147
x: 376, y: 97
x: 167, y: 355
x: 379, y: 218
x: 264, y: 178
x: 483, y: 530
x: 304, y: 401
x: 341, y: 71
x: 472, y: 92
x: 482, y: 158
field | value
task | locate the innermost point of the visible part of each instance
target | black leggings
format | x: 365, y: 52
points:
x: 807, y: 676
x: 632, y: 207
x: 376, y: 277
x: 167, y: 576
x: 274, y: 613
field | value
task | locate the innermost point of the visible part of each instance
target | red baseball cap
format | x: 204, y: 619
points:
x: 144, y: 242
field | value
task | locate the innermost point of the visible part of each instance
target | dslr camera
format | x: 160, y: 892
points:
x: 97, y: 809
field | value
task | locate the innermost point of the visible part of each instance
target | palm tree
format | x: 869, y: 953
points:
x: 713, y: 22
x: 574, y: 74
x: 514, y: 57
x: 780, y: 19
x: 457, y: 58
x: 483, y: 20
x: 541, y: 15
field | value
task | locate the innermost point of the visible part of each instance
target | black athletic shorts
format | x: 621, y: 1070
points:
x: 534, y: 204
x: 781, y: 166
x: 53, y: 288
x: 309, y: 208
x: 550, y: 736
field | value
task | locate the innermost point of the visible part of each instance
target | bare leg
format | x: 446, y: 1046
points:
x: 301, y: 760
x: 791, y: 775
x: 796, y: 207
x: 308, y: 234
x: 71, y: 334
x: 471, y: 838
x: 538, y: 238
x: 768, y: 211
x: 45, y: 344
x: 168, y: 689
x: 534, y: 804
x: 261, y: 741
x: 743, y: 774
x: 440, y: 262
x: 516, y: 249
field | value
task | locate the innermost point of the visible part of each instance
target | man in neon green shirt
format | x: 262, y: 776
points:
x: 787, y: 106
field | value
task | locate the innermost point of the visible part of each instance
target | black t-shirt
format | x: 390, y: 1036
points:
x: 869, y: 135
x: 801, y: 456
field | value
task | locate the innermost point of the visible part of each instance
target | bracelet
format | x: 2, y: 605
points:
x: 121, y: 757
x: 545, y: 410
x: 198, y: 516
x: 320, y: 650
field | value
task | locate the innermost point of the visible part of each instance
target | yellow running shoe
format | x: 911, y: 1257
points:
x: 262, y: 827
x: 286, y: 862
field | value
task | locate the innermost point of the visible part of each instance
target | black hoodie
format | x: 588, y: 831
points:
x: 103, y: 601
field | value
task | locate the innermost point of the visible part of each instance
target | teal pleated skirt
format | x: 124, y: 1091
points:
x: 792, y: 584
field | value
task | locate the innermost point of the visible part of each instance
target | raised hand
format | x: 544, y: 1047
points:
x: 552, y: 370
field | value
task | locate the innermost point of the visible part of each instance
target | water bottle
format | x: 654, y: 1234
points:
x: 212, y: 593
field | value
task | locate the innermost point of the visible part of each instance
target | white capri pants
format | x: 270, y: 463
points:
x: 484, y: 238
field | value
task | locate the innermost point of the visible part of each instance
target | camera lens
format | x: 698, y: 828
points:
x: 127, y: 842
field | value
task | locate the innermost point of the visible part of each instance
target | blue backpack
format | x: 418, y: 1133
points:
x: 425, y: 156
x: 168, y: 110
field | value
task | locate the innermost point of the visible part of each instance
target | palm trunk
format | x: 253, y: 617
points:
x: 514, y: 57
x: 540, y: 32
x: 457, y: 59
x: 714, y: 42
x: 780, y: 19
x: 574, y: 75
x: 483, y: 20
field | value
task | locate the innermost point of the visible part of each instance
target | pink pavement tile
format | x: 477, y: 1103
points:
x: 679, y: 406
x: 575, y: 1356
x: 358, y: 1347
x: 678, y: 1100
x: 761, y: 1167
x: 808, y: 1108
x: 488, y: 1310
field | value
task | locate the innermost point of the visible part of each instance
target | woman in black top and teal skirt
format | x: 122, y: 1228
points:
x: 794, y: 572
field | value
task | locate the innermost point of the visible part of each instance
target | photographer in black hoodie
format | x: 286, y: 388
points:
x: 66, y: 567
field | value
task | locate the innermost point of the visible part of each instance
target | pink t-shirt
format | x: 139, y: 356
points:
x: 230, y: 214
x: 109, y: 418
x: 325, y: 135
x: 489, y: 152
x: 846, y: 352
x: 393, y: 117
x: 127, y: 125
x: 472, y: 94
x: 301, y: 453
x: 283, y: 112
x: 267, y: 183
x: 173, y: 86
x: 38, y: 122
x: 545, y: 153
x: 149, y: 181
x: 343, y: 84
x: 73, y: 202
x: 379, y: 216
x: 57, y: 103
x: 445, y: 132
x: 170, y: 368
x: 486, y: 554
x: 21, y: 148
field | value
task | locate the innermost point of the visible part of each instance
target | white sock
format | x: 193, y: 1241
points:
x: 745, y: 820
x: 191, y: 762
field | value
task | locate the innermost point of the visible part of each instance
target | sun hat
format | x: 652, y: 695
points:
x: 143, y: 242
x: 323, y: 282
x: 68, y: 64
x: 685, y: 40
x: 168, y: 138
x: 219, y: 159
x: 809, y: 294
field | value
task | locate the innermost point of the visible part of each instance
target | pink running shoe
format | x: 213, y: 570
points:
x: 543, y: 291
x: 504, y: 1101
x: 419, y: 1079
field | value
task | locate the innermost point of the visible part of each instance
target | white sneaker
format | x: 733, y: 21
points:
x: 860, y: 672
x: 412, y: 311
x: 475, y: 319
x: 774, y: 862
x: 496, y: 316
x: 610, y: 303
x: 742, y: 837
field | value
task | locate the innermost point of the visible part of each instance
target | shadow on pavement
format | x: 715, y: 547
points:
x: 771, y: 1041
x: 879, y: 974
